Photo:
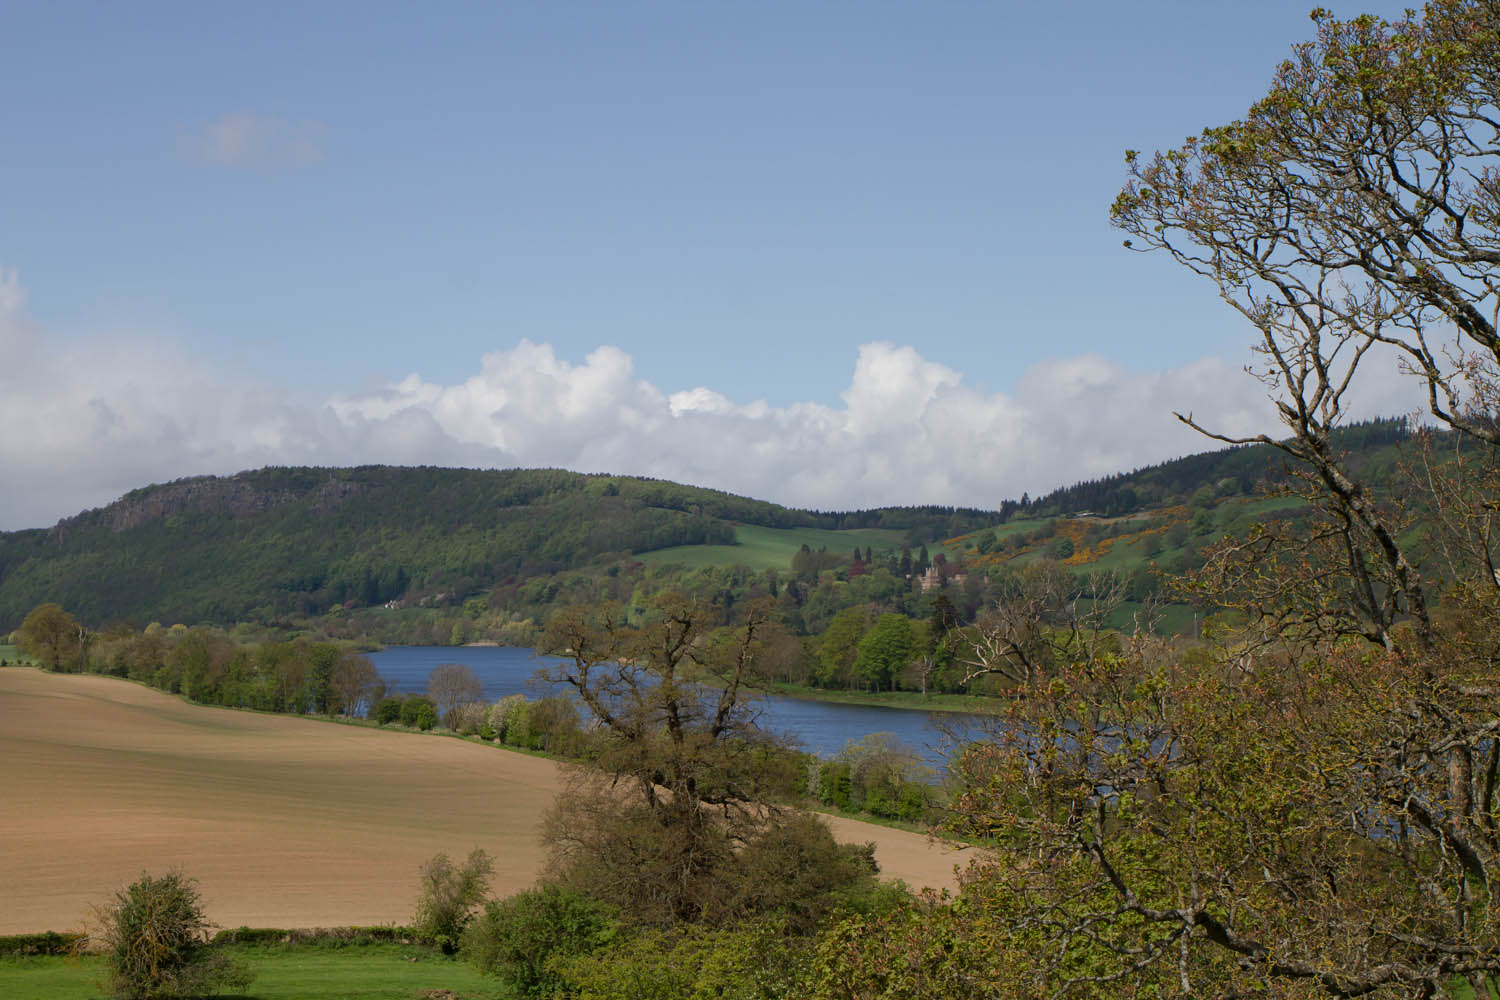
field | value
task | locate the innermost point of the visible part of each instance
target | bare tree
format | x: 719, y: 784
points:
x: 355, y: 683
x: 451, y: 686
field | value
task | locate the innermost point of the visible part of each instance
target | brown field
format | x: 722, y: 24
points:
x: 285, y: 822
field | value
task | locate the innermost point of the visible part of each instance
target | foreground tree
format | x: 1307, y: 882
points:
x: 669, y: 824
x: 154, y: 936
x: 1309, y: 806
x: 448, y: 895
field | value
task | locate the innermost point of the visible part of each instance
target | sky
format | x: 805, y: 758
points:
x: 835, y: 255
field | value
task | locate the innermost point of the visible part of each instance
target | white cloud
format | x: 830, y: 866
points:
x: 86, y: 422
x: 243, y: 139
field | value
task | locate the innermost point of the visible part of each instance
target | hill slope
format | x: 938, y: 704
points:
x: 278, y: 541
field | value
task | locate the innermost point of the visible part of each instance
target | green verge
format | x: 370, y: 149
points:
x: 302, y: 972
x: 915, y: 700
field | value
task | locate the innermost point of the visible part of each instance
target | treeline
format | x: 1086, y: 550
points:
x: 1241, y: 470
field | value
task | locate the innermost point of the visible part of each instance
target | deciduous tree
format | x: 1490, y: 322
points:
x: 451, y: 686
x: 684, y: 775
x: 1307, y: 807
x: 53, y: 636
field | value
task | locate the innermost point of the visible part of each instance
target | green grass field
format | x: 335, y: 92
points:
x: 773, y: 548
x: 304, y: 972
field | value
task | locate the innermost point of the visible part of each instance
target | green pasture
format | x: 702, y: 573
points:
x: 363, y: 972
x: 773, y: 548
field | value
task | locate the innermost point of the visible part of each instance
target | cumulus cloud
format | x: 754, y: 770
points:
x: 243, y: 139
x: 89, y: 421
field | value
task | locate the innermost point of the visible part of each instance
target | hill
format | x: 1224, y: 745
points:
x: 283, y: 544
x: 275, y: 542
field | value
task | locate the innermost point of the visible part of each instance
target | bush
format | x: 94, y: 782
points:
x: 518, y: 724
x: 154, y: 937
x: 553, y: 722
x: 520, y: 939
x: 389, y: 710
x: 499, y: 713
x: 470, y: 718
x: 448, y: 897
x: 835, y: 786
x: 47, y: 943
x: 418, y: 712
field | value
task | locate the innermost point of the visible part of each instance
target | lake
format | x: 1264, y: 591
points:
x: 820, y: 727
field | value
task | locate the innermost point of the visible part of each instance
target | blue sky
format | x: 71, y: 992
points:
x: 636, y: 237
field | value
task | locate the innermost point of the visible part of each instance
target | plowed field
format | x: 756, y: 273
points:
x: 285, y: 822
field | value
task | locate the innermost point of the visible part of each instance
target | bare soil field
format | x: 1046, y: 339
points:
x: 284, y: 821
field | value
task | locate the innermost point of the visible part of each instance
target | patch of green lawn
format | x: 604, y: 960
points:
x: 773, y: 548
x: 363, y: 972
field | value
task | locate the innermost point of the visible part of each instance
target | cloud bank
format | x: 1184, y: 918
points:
x: 87, y: 421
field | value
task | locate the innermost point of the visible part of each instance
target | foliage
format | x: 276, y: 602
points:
x: 46, y: 943
x: 1306, y: 806
x: 448, y: 895
x: 522, y: 939
x: 154, y: 938
x: 52, y: 636
x: 662, y: 827
x: 418, y: 712
x: 885, y: 650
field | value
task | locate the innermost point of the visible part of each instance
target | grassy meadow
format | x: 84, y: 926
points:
x: 772, y: 548
x: 303, y: 972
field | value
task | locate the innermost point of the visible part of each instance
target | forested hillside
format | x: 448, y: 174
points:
x: 294, y: 544
x: 299, y: 541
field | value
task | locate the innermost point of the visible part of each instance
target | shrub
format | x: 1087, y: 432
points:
x: 418, y: 712
x: 553, y: 722
x: 448, y: 896
x: 388, y: 711
x: 518, y: 724
x: 47, y: 943
x: 470, y: 718
x: 520, y: 939
x: 834, y: 784
x: 499, y: 713
x: 154, y: 937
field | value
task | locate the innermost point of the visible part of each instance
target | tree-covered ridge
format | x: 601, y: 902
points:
x: 279, y: 541
x: 1241, y: 469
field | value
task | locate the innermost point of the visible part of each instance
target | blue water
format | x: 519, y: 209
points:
x: 820, y: 727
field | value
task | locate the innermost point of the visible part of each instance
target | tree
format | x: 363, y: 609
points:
x: 53, y: 636
x: 885, y: 651
x: 683, y: 775
x: 452, y: 686
x: 448, y: 895
x: 154, y: 936
x: 839, y: 646
x: 1307, y: 806
x: 356, y: 685
x: 519, y: 940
